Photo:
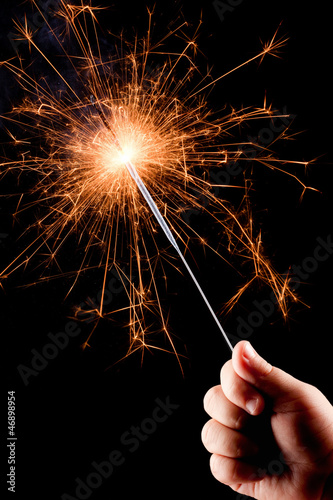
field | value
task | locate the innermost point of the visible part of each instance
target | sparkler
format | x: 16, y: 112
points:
x: 152, y: 205
x: 148, y: 126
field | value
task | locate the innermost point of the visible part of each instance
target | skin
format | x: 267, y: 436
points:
x: 300, y: 422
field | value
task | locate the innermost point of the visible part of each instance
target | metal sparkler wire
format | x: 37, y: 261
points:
x: 160, y: 219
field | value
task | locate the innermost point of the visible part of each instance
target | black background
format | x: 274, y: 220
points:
x: 75, y: 410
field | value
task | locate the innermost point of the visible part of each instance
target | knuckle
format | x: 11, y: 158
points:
x: 213, y: 437
x: 206, y: 433
x: 239, y: 449
x: 229, y: 382
x: 239, y: 421
x: 234, y: 476
x: 223, y: 469
x: 232, y: 391
x: 310, y: 391
x: 233, y: 447
x: 210, y: 398
x: 214, y: 464
x: 225, y: 371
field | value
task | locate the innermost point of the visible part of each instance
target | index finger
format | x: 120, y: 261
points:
x: 218, y: 407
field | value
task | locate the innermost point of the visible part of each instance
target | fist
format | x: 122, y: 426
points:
x: 259, y: 413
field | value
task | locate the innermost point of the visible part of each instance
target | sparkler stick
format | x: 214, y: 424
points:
x: 160, y: 219
x: 152, y: 205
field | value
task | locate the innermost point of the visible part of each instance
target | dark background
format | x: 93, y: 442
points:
x: 75, y: 410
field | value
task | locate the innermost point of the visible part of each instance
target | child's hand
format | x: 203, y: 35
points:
x: 301, y: 421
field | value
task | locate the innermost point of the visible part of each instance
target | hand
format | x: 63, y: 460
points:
x: 300, y: 422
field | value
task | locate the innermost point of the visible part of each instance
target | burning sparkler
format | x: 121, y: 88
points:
x: 152, y: 205
x: 133, y: 133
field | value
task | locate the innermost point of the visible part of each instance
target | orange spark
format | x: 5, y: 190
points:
x: 168, y: 131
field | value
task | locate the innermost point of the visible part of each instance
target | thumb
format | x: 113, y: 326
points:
x: 286, y: 392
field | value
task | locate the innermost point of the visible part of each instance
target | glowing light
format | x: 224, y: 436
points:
x: 127, y: 116
x: 126, y: 155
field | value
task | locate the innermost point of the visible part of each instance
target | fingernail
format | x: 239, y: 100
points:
x: 251, y: 405
x: 248, y: 352
x: 256, y: 363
